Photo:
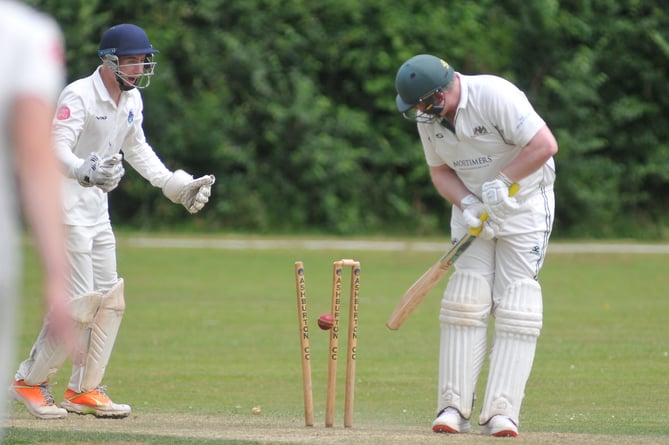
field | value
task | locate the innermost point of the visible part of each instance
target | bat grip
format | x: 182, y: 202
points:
x: 476, y: 231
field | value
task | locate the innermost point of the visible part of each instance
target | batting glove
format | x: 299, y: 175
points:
x: 472, y: 210
x: 497, y: 201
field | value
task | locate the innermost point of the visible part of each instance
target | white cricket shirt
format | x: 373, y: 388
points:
x: 31, y: 64
x: 493, y: 122
x: 88, y: 120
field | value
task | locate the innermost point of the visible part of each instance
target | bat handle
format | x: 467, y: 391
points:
x: 476, y: 231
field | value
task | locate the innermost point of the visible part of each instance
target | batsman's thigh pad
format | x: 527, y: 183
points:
x: 518, y: 322
x: 48, y: 353
x: 90, y: 367
x: 465, y: 309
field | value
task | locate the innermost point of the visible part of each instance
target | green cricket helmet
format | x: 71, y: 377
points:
x: 420, y: 77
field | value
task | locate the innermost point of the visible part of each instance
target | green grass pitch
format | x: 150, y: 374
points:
x: 209, y: 334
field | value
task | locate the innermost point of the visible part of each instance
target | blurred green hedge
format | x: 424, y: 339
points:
x: 291, y: 105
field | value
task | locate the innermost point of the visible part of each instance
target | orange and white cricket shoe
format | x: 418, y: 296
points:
x: 38, y: 400
x: 95, y: 402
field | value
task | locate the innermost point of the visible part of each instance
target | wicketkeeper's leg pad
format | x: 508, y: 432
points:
x: 48, y: 353
x: 465, y: 309
x: 518, y: 322
x: 90, y: 365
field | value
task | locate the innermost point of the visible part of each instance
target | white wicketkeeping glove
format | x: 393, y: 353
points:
x: 110, y: 171
x: 193, y: 194
x: 497, y: 201
x: 103, y: 173
x: 87, y: 172
x: 472, y: 209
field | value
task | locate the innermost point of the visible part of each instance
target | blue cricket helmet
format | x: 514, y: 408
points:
x: 125, y: 40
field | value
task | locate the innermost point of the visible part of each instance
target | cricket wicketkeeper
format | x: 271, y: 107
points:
x: 98, y: 125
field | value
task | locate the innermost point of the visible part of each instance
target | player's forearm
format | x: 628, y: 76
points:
x: 69, y: 163
x: 534, y: 155
x: 40, y: 185
x: 146, y: 162
x: 447, y: 183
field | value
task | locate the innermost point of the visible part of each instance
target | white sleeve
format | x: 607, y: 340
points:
x: 147, y: 163
x: 42, y: 67
x: 141, y: 156
x: 512, y: 113
x: 68, y: 124
x: 425, y: 131
x: 138, y: 152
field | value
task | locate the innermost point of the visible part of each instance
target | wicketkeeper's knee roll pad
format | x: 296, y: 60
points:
x: 48, y: 353
x: 103, y: 335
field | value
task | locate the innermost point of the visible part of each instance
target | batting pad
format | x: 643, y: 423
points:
x: 48, y: 354
x: 518, y: 321
x: 89, y: 369
x: 465, y: 309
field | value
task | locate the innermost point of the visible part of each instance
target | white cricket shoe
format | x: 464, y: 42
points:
x: 500, y: 426
x: 449, y: 420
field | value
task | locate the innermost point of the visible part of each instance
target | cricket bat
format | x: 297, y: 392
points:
x: 419, y: 290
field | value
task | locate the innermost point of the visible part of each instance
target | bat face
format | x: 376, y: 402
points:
x: 419, y: 290
x: 415, y: 295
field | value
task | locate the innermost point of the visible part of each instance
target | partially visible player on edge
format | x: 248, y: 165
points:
x: 98, y: 123
x: 480, y: 135
x: 32, y: 72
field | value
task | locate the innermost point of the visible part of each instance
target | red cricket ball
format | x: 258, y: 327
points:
x: 325, y: 322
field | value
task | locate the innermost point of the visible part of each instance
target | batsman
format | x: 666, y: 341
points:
x: 98, y: 120
x: 481, y: 136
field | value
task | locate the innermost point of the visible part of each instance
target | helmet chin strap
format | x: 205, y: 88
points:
x: 111, y: 62
x: 435, y: 110
x: 123, y: 85
x: 436, y: 104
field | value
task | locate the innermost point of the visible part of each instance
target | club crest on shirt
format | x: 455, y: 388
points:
x: 131, y: 117
x: 63, y: 113
x: 479, y: 131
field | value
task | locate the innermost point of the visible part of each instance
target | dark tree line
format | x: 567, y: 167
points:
x: 291, y: 105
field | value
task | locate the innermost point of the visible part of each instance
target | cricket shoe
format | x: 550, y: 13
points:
x: 500, y: 426
x: 449, y: 420
x: 95, y: 402
x: 38, y: 400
